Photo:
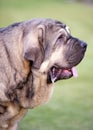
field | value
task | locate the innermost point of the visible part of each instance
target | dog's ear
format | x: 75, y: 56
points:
x: 41, y: 33
x: 33, y: 45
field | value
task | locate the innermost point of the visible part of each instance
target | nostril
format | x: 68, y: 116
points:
x: 84, y: 45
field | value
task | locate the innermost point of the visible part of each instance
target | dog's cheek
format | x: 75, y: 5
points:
x: 44, y: 67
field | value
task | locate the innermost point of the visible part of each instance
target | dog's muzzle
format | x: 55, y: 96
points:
x: 75, y: 50
x: 73, y: 53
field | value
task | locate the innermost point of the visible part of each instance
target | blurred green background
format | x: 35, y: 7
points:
x: 71, y: 106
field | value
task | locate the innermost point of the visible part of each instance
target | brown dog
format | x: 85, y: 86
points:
x: 33, y: 55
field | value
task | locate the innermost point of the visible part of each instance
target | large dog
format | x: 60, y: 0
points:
x: 33, y: 55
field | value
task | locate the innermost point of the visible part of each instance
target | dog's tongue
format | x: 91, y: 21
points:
x: 74, y: 71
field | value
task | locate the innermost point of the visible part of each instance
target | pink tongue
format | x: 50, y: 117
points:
x: 74, y: 71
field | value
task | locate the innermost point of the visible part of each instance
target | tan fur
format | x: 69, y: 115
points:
x: 27, y: 52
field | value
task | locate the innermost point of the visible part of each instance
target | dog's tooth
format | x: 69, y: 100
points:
x: 53, y: 79
x: 52, y: 75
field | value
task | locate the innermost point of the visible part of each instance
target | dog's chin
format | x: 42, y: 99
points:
x: 58, y: 73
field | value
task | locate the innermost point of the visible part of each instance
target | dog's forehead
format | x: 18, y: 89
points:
x: 60, y: 24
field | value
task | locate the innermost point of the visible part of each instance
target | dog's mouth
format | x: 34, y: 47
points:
x: 56, y: 73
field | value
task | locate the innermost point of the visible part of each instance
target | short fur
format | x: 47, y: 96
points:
x: 28, y: 50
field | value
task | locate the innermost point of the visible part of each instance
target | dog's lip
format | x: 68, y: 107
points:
x: 58, y: 73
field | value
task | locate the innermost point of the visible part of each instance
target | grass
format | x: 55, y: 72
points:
x: 71, y: 106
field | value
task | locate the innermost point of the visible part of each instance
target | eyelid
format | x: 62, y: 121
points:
x: 62, y: 31
x: 61, y: 36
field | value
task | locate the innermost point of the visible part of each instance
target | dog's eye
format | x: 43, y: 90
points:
x: 62, y: 38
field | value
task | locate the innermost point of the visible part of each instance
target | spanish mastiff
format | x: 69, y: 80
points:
x: 33, y: 55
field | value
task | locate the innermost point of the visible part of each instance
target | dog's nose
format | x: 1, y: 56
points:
x: 83, y: 45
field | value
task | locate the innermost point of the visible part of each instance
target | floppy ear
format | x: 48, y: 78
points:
x: 41, y: 33
x: 33, y: 46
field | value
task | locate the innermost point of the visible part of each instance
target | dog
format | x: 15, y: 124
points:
x: 33, y: 55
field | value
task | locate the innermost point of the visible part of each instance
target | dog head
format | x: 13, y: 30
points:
x: 52, y: 50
